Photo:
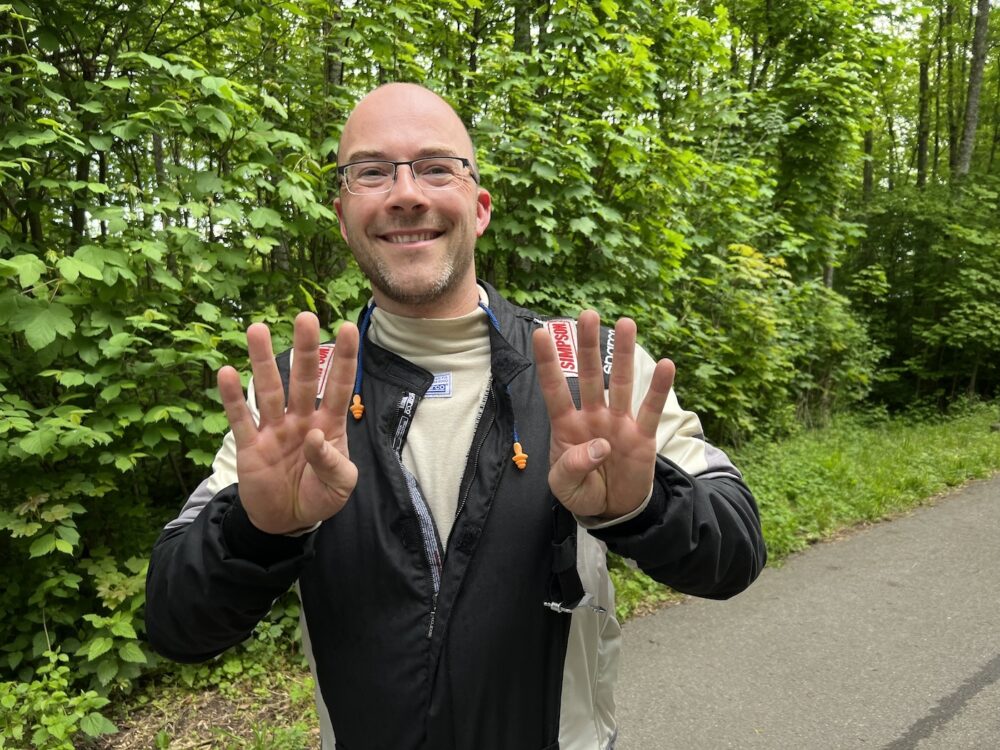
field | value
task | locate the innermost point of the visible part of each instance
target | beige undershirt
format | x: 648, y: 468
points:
x: 438, y: 442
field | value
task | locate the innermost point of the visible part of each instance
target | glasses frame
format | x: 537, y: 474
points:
x: 342, y: 172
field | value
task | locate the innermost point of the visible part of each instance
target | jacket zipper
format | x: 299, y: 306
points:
x: 488, y: 396
x: 491, y: 396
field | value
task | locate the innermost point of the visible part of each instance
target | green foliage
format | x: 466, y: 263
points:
x: 46, y: 712
x: 935, y: 305
x: 863, y: 468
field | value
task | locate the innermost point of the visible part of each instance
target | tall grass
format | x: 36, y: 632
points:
x: 860, y: 468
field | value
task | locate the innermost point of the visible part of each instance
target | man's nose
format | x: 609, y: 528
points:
x: 405, y: 191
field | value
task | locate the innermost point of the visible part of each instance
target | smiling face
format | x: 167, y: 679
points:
x: 415, y: 246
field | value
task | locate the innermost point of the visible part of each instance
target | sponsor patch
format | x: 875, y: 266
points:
x: 563, y: 333
x: 441, y: 387
x: 323, y: 373
x: 609, y: 352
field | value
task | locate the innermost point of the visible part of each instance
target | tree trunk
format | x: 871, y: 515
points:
x: 923, y: 123
x: 522, y: 26
x: 952, y: 115
x: 868, y: 181
x: 975, y: 89
x: 937, y: 99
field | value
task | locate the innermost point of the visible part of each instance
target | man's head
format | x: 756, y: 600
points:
x: 415, y: 244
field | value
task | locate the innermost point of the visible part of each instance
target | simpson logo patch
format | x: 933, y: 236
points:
x: 563, y: 333
x: 323, y: 373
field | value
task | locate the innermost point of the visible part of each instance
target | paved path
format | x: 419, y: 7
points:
x: 888, y: 639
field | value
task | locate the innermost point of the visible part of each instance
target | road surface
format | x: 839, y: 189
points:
x: 887, y: 639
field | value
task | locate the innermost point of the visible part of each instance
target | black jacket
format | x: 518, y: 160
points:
x: 414, y: 648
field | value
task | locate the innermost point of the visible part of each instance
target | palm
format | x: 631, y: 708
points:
x: 293, y: 467
x: 618, y: 481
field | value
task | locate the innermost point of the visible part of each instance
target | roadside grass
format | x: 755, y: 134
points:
x: 859, y: 469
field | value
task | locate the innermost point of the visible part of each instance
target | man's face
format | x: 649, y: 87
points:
x: 415, y: 246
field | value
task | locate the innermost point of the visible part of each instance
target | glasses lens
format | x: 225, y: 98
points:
x: 439, y: 172
x: 369, y: 176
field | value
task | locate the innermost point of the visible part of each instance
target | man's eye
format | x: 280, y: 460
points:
x: 372, y: 172
x: 434, y: 168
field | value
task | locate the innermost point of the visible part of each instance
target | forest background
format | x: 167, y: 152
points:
x: 797, y: 200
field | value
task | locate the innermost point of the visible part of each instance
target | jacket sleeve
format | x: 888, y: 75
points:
x: 700, y: 530
x: 213, y: 575
x: 701, y: 536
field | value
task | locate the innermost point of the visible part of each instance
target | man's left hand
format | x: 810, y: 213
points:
x: 601, y: 456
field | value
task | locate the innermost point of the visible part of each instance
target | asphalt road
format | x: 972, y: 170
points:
x: 887, y: 639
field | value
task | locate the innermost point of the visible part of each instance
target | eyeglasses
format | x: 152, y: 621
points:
x: 430, y: 173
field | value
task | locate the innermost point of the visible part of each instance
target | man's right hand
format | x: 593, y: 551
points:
x: 293, y: 468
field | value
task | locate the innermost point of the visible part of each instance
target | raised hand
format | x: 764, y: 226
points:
x: 601, y: 456
x: 293, y: 468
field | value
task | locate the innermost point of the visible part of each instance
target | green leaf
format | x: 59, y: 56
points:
x: 207, y: 311
x: 42, y: 546
x: 132, y: 653
x: 41, y: 323
x: 117, y: 84
x: 263, y: 216
x: 101, y: 142
x: 71, y: 268
x: 106, y: 670
x: 37, y: 443
x: 94, y: 725
x: 111, y: 392
x: 99, y: 646
x: 28, y: 268
x: 68, y: 533
x: 206, y: 182
x: 123, y: 630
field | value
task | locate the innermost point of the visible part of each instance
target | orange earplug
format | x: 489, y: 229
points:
x: 357, y: 408
x: 520, y: 457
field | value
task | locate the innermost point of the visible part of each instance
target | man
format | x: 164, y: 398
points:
x: 447, y: 534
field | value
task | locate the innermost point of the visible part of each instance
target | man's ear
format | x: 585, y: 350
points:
x: 340, y: 217
x: 484, y: 209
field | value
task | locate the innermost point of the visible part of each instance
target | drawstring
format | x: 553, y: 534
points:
x: 520, y: 458
x: 357, y: 408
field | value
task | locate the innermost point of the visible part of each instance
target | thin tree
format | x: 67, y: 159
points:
x: 975, y: 89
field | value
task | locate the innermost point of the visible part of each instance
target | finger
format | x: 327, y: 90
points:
x: 591, y: 367
x: 330, y: 466
x: 237, y: 411
x: 568, y: 474
x: 305, y: 363
x: 622, y: 368
x: 343, y: 371
x: 558, y: 401
x: 267, y: 383
x: 651, y: 409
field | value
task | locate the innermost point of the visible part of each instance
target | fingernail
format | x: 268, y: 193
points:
x: 598, y: 449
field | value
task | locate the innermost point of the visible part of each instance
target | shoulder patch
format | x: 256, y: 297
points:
x: 323, y: 374
x: 563, y: 333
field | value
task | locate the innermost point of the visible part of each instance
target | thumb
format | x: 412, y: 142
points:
x: 573, y: 466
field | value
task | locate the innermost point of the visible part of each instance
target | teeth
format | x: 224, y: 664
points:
x: 401, y: 238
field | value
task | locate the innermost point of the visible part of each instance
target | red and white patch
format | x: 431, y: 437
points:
x: 323, y: 374
x: 563, y: 333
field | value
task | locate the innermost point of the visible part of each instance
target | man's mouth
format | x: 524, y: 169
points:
x: 401, y: 238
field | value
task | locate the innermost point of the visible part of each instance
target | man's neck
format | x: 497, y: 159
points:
x: 460, y: 302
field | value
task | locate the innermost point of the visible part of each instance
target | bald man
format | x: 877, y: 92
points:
x: 442, y: 483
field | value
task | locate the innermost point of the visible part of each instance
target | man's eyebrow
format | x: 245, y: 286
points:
x: 367, y: 154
